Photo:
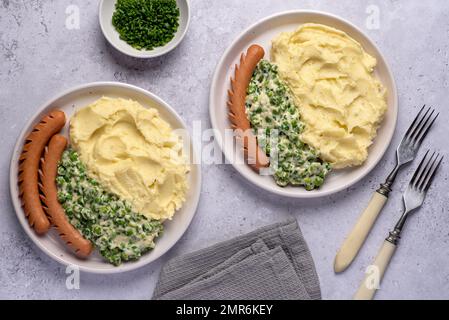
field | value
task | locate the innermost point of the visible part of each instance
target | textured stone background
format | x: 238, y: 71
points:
x: 39, y: 57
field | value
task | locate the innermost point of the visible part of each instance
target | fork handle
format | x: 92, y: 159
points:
x: 359, y: 233
x: 371, y: 282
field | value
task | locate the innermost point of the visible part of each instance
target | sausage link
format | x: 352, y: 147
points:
x: 49, y: 196
x: 29, y: 166
x: 254, y: 155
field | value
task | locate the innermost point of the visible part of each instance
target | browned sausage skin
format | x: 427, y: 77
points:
x: 29, y: 166
x: 49, y: 196
x: 254, y: 155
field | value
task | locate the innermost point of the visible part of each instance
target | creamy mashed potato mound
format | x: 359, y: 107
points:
x: 341, y: 102
x: 133, y: 153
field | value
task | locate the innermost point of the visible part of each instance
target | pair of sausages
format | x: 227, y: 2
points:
x: 37, y: 182
x: 254, y: 155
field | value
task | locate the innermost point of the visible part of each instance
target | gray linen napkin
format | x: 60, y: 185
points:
x: 270, y: 263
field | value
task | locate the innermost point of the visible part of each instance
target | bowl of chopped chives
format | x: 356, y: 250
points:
x: 144, y: 28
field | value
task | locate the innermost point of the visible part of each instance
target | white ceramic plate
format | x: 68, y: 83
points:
x: 106, y: 10
x: 69, y: 102
x: 262, y: 33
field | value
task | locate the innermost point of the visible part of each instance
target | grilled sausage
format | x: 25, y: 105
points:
x: 254, y: 155
x: 29, y: 166
x: 49, y: 196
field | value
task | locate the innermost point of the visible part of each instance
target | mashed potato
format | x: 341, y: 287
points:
x: 133, y: 153
x: 341, y: 103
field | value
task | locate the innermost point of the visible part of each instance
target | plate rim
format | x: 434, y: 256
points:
x: 17, y: 202
x: 279, y: 190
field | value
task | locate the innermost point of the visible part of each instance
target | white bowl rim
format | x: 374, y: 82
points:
x: 278, y: 190
x: 16, y: 201
x: 149, y: 54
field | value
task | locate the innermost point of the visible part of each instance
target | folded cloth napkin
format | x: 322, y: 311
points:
x: 271, y: 263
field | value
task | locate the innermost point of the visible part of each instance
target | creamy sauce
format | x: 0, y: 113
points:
x: 271, y: 108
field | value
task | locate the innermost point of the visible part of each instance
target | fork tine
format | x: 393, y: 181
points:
x: 424, y: 122
x: 425, y: 130
x: 420, y: 124
x: 426, y: 172
x: 414, y: 121
x: 418, y: 170
x: 433, y: 174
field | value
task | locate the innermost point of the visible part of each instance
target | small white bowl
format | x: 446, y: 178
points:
x: 106, y: 11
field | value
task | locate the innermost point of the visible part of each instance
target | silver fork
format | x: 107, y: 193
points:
x: 406, y: 152
x: 413, y: 199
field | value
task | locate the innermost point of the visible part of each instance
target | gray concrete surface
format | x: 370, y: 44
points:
x: 39, y: 57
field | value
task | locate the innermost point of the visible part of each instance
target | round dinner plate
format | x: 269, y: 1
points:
x: 262, y: 33
x: 69, y: 102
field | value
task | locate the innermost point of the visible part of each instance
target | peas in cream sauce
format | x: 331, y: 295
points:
x: 270, y: 106
x: 107, y: 221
